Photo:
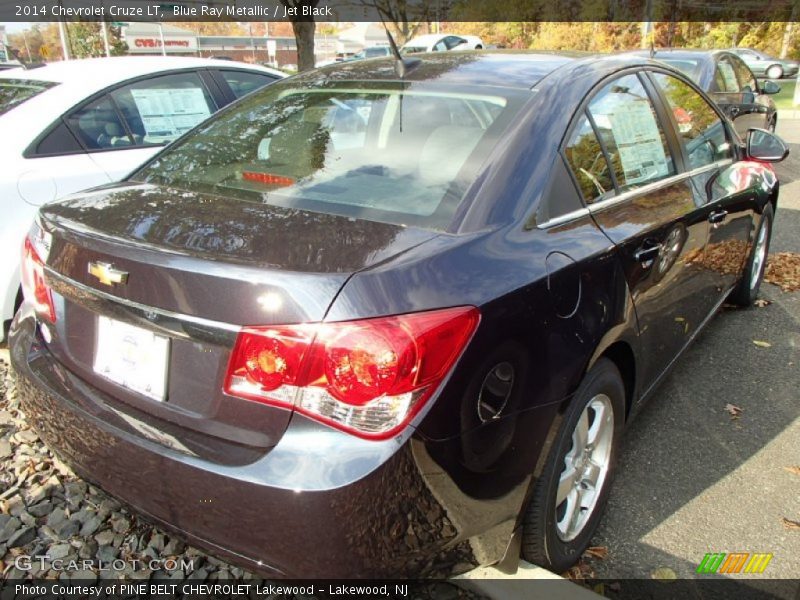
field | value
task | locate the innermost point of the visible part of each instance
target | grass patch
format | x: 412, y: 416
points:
x: 783, y: 99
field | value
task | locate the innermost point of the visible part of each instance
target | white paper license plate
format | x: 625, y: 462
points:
x: 132, y: 357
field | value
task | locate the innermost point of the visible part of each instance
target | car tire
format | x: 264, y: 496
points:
x: 549, y: 537
x: 747, y: 289
x: 774, y: 72
x: 773, y: 124
x: 478, y: 47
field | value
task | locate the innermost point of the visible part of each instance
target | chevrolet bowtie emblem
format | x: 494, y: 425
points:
x: 107, y: 274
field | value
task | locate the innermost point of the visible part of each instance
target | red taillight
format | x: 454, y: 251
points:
x: 267, y: 178
x: 34, y: 288
x: 366, y: 377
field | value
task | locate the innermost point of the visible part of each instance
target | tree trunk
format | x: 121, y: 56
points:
x: 787, y: 35
x: 304, y: 37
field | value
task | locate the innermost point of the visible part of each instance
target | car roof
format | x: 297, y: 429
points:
x: 481, y: 68
x: 94, y: 74
x: 496, y: 68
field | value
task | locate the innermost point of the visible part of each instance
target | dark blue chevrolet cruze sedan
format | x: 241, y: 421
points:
x: 373, y: 321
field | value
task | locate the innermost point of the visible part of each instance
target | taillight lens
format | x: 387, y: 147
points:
x: 367, y: 377
x: 34, y: 288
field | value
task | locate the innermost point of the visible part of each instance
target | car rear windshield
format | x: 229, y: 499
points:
x: 14, y: 92
x: 379, y: 152
x: 687, y: 66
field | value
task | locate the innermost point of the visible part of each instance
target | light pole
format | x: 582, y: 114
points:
x: 161, y: 35
x: 105, y: 38
x: 62, y: 33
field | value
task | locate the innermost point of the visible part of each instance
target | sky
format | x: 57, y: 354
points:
x: 14, y: 27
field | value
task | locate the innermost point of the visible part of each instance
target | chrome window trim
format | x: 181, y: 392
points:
x: 171, y: 323
x: 629, y: 194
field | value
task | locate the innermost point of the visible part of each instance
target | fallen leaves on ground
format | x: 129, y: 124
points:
x: 783, y: 270
x: 582, y: 569
x: 664, y: 574
x: 734, y: 411
x: 579, y: 571
x: 789, y: 524
x: 762, y: 344
x: 794, y: 469
x: 596, y: 552
x: 761, y: 303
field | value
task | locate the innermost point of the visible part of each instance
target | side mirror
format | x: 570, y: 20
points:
x: 770, y: 87
x: 765, y: 146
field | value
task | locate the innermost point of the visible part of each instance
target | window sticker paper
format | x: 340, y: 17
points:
x: 169, y: 113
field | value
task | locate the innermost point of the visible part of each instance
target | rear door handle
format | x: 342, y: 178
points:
x: 648, y: 252
x: 717, y: 216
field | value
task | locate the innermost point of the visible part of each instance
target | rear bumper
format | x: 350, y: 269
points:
x: 789, y: 72
x: 319, y: 504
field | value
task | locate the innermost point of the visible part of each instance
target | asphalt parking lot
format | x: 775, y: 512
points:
x: 693, y: 479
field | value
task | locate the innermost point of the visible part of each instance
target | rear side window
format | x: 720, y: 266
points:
x: 98, y: 126
x: 14, y: 92
x: 699, y: 126
x: 631, y: 134
x: 59, y: 141
x: 690, y: 68
x: 244, y: 82
x: 160, y: 109
x: 588, y: 162
x: 374, y: 151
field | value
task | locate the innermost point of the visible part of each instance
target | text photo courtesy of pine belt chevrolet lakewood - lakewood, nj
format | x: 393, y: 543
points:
x: 396, y: 300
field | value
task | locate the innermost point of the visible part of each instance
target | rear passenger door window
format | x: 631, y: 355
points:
x: 700, y: 127
x: 747, y: 83
x: 160, y: 109
x: 626, y: 123
x: 585, y: 157
x: 725, y: 77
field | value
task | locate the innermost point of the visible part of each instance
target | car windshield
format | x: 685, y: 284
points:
x: 14, y: 92
x: 381, y: 152
x: 690, y: 68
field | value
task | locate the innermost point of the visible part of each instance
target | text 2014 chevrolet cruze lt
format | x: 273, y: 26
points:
x: 364, y: 323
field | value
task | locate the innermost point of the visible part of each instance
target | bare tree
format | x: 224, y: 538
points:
x: 404, y: 18
x: 303, y: 26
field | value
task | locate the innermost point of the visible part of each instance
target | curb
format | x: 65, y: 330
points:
x: 495, y: 584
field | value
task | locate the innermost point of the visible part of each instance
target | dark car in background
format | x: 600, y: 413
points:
x: 729, y: 82
x: 764, y: 65
x: 373, y: 322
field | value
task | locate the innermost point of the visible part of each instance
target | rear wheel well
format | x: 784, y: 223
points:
x: 7, y: 324
x: 18, y: 301
x: 621, y: 354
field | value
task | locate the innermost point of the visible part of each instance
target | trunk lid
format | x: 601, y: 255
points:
x: 198, y: 267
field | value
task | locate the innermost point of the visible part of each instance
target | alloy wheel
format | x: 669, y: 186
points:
x: 586, y: 467
x: 774, y: 72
